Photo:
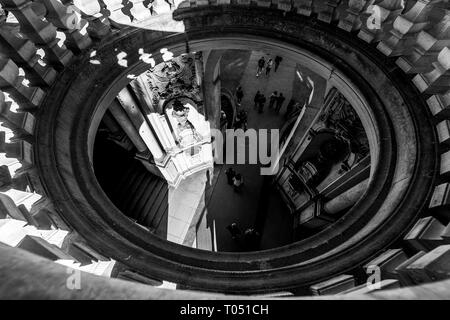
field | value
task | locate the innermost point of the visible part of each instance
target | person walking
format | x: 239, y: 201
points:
x: 261, y: 64
x: 280, y: 101
x: 239, y: 94
x: 230, y: 173
x: 269, y: 66
x: 237, y: 122
x: 278, y: 60
x: 238, y: 181
x: 256, y: 99
x: 272, y: 99
x: 262, y: 102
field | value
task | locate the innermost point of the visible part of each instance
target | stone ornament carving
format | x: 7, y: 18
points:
x: 174, y: 78
x: 185, y: 130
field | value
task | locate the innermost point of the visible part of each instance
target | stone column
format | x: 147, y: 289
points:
x: 212, y: 88
x: 125, y: 123
x: 143, y: 94
x: 137, y: 118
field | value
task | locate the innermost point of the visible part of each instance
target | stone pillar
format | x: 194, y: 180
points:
x: 198, y: 60
x: 212, y: 88
x: 137, y: 118
x: 143, y: 94
x: 125, y: 123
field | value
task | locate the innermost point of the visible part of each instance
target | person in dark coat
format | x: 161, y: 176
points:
x: 243, y: 117
x: 234, y: 230
x: 256, y: 99
x: 278, y: 59
x: 269, y: 66
x: 273, y: 99
x: 262, y: 102
x: 280, y: 101
x: 239, y: 94
x: 261, y: 65
x: 238, y: 181
x: 230, y: 173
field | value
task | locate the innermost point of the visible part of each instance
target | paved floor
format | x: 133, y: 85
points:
x: 224, y: 206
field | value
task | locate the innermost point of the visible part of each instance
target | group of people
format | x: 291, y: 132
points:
x: 234, y: 179
x: 267, y: 65
x: 275, y: 100
x: 241, y: 120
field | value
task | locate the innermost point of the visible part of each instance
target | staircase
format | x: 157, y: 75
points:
x: 139, y: 194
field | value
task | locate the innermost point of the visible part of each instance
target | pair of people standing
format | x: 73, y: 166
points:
x: 263, y: 64
x: 276, y: 100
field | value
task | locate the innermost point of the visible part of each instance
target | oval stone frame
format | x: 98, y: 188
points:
x: 401, y: 181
